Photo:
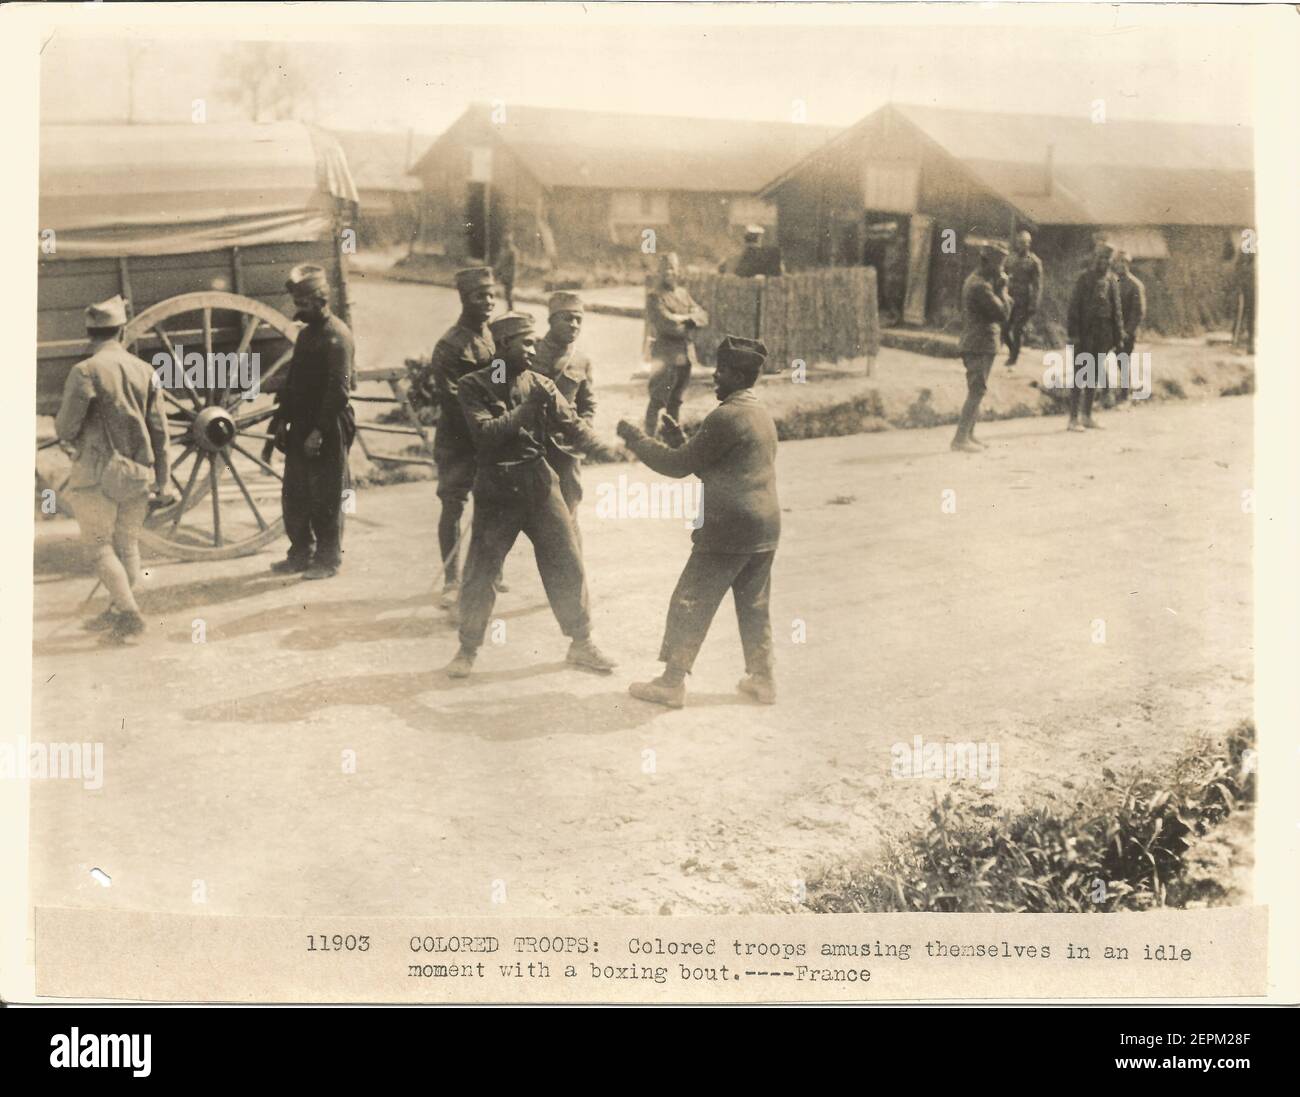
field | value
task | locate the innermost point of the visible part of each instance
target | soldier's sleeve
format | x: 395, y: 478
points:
x: 1075, y: 312
x: 565, y: 419
x: 338, y: 371
x: 484, y: 427
x: 989, y: 304
x: 156, y: 423
x: 1141, y: 307
x: 78, y: 392
x: 704, y: 449
x: 663, y: 322
x: 1036, y: 284
x: 1117, y: 312
x: 584, y: 400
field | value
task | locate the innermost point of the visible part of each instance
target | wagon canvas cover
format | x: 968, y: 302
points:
x: 131, y: 190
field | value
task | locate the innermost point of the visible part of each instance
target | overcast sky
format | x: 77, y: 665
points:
x: 422, y: 78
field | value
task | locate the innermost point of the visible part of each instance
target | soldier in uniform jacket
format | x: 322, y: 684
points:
x: 1025, y: 283
x: 569, y: 369
x: 984, y: 309
x: 673, y: 317
x: 1096, y: 327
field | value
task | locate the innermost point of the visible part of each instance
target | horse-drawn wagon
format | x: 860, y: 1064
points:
x: 197, y: 227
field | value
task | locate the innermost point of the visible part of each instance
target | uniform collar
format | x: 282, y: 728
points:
x: 742, y: 396
x: 469, y: 325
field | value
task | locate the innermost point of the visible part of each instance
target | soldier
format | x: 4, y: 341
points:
x: 512, y: 412
x: 507, y: 266
x: 1096, y: 327
x: 314, y: 427
x: 112, y: 426
x: 756, y: 260
x: 734, y: 455
x: 570, y: 370
x: 984, y: 309
x: 1133, y: 304
x: 1025, y: 282
x: 673, y: 316
x: 465, y: 347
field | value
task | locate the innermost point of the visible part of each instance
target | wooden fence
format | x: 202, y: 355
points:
x: 821, y: 316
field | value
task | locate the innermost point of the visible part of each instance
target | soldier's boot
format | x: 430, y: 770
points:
x: 290, y: 566
x: 102, y: 623
x: 1090, y: 423
x: 462, y: 664
x: 583, y: 653
x: 975, y: 441
x: 320, y: 571
x: 129, y: 624
x: 965, y: 445
x: 761, y: 687
x: 660, y: 692
x: 1073, y: 424
x: 450, y: 595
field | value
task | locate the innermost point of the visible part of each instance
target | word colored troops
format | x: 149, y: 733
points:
x: 512, y: 413
x: 314, y: 426
x: 112, y: 426
x: 734, y: 455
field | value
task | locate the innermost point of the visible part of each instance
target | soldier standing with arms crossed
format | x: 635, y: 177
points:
x: 569, y: 369
x: 673, y: 316
x: 984, y: 309
x: 511, y: 413
x: 734, y: 455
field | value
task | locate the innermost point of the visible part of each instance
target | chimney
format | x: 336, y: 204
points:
x: 1051, y: 161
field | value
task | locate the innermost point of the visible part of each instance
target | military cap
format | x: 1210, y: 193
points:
x: 668, y: 259
x: 739, y: 353
x: 563, y: 301
x: 307, y: 278
x: 993, y: 248
x: 1104, y: 248
x: 107, y: 314
x: 1123, y: 257
x: 472, y: 278
x: 754, y: 232
x: 509, y: 325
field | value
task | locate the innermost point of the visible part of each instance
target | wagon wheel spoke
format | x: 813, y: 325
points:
x: 261, y: 522
x: 250, y: 329
x: 185, y: 497
x: 214, y: 477
x: 177, y: 364
x: 254, y: 419
x: 211, y: 393
x: 257, y: 461
x: 181, y: 409
x: 279, y: 363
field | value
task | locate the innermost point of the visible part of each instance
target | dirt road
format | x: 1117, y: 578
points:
x: 309, y: 755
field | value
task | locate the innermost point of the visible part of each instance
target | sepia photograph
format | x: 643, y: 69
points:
x: 501, y: 470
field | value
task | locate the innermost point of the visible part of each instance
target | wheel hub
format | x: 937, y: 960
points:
x: 213, y: 429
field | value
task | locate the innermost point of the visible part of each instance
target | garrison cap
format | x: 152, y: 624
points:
x: 754, y: 232
x: 1104, y: 248
x: 746, y: 355
x: 107, y: 314
x: 307, y: 278
x: 563, y: 301
x: 472, y: 278
x: 511, y: 324
x: 668, y: 259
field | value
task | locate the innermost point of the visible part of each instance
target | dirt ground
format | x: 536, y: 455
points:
x: 310, y: 756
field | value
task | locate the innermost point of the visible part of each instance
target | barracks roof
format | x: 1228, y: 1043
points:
x: 380, y: 161
x: 1152, y: 172
x: 579, y: 148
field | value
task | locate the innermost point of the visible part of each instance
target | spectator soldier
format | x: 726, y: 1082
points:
x: 1025, y: 282
x: 673, y: 317
x: 112, y: 426
x: 507, y: 266
x: 569, y: 369
x: 984, y: 309
x: 1096, y: 327
x: 314, y: 427
x: 734, y: 455
x: 512, y: 412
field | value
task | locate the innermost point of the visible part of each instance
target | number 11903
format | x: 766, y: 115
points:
x: 338, y: 943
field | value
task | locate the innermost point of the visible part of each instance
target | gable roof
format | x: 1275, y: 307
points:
x: 579, y: 148
x: 1105, y: 173
x: 379, y: 161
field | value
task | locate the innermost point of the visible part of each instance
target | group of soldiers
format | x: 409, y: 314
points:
x: 1002, y: 294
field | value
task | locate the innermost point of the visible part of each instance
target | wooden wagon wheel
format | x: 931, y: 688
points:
x: 219, y: 422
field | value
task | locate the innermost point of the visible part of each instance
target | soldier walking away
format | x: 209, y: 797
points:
x: 314, y: 427
x: 511, y: 412
x: 1096, y: 327
x: 465, y: 347
x: 673, y: 317
x: 112, y: 426
x: 1133, y: 305
x: 561, y: 361
x: 734, y: 455
x: 984, y: 309
x: 1025, y: 283
x: 507, y: 266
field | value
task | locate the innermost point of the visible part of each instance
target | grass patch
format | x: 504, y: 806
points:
x: 1122, y: 845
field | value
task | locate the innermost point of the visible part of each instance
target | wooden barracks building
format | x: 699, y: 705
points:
x: 579, y: 185
x: 905, y: 188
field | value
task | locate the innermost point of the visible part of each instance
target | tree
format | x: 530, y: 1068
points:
x: 264, y: 82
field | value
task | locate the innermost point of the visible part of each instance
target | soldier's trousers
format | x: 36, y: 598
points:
x: 524, y: 499
x: 977, y: 381
x: 455, y: 479
x: 1083, y: 395
x: 1015, y: 331
x: 704, y: 581
x: 667, y: 390
x: 568, y: 471
x: 311, y: 498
